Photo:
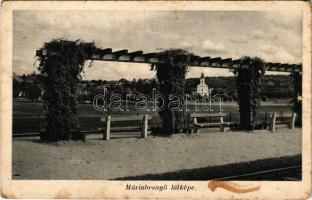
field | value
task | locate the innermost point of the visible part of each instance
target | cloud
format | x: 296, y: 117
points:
x: 239, y: 39
x: 277, y: 54
x: 189, y: 45
x: 283, y: 55
x: 268, y: 49
x: 258, y: 34
x: 22, y: 69
x: 117, y: 70
x: 287, y: 20
x: 211, y: 47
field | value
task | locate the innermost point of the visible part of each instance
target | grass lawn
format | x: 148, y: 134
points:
x: 25, y: 115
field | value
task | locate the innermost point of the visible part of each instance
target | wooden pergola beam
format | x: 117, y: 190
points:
x: 150, y: 55
x: 194, y: 60
x: 226, y: 63
x: 136, y: 53
x: 120, y: 53
x: 105, y: 51
x: 150, y: 58
x: 204, y: 59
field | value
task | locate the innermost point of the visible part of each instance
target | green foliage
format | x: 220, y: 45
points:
x: 171, y: 80
x: 60, y: 69
x: 249, y: 73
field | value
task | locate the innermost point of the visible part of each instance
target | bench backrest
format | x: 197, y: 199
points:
x: 281, y: 115
x: 126, y: 118
x: 199, y: 115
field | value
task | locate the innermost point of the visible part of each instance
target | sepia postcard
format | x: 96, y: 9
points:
x: 155, y: 100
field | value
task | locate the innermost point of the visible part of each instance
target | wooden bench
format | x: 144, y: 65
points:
x: 142, y: 126
x: 220, y: 123
x: 282, y: 118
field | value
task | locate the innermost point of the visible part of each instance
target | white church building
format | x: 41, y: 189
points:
x: 202, y: 87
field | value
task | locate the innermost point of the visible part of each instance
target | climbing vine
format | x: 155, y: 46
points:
x: 61, y: 63
x: 248, y: 76
x: 171, y: 75
x: 297, y: 103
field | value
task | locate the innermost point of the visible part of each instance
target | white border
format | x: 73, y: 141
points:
x: 116, y: 189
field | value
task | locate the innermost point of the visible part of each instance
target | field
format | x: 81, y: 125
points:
x: 26, y: 115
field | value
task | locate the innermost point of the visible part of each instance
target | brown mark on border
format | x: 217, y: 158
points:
x: 232, y: 187
x: 62, y: 195
x: 100, y: 194
x: 7, y: 195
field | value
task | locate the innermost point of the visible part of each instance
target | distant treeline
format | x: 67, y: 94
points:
x: 273, y: 87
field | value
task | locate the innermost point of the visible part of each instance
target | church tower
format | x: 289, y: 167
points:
x: 202, y: 87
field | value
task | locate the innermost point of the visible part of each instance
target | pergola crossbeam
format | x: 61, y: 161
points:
x: 105, y: 51
x: 136, y: 53
x: 120, y: 53
x: 196, y: 61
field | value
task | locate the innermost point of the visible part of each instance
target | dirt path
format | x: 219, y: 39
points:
x: 122, y: 157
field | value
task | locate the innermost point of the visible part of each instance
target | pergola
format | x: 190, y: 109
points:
x: 60, y: 55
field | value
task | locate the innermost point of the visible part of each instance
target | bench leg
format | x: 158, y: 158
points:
x: 292, y: 121
x: 273, y: 123
x: 222, y: 126
x: 144, y: 126
x: 195, y: 120
x: 106, y: 133
x: 196, y: 129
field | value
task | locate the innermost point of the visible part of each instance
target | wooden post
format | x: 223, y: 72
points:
x: 195, y: 124
x: 292, y: 121
x: 230, y: 117
x: 38, y: 124
x: 188, y: 122
x: 265, y: 120
x: 107, y: 128
x: 273, y: 122
x: 194, y: 120
x: 222, y: 124
x: 144, y: 126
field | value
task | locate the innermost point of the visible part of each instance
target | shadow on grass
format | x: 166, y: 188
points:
x: 217, y: 172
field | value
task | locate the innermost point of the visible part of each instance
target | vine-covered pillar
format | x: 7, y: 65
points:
x: 61, y: 63
x: 297, y: 100
x: 171, y: 73
x: 248, y: 76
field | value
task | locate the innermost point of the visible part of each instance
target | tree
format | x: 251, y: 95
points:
x: 33, y: 91
x: 16, y: 88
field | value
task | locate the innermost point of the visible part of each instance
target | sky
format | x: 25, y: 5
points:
x: 274, y: 36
